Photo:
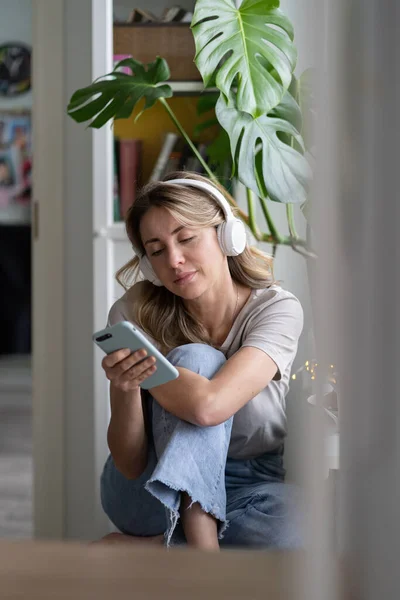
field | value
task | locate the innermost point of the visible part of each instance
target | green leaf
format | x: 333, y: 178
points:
x: 205, y: 125
x: 219, y: 152
x: 264, y: 163
x: 306, y: 99
x: 206, y: 102
x: 288, y: 110
x: 115, y: 95
x: 250, y: 48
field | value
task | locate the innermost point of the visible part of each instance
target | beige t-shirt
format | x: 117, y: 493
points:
x: 271, y: 320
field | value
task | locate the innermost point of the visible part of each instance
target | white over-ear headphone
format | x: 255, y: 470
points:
x: 231, y: 233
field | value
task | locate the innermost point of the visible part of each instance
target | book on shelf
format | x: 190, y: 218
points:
x: 171, y: 14
x: 167, y: 147
x: 175, y: 14
x: 192, y: 163
x: 129, y: 169
x: 189, y: 161
x: 116, y: 203
x: 177, y: 155
x: 141, y: 15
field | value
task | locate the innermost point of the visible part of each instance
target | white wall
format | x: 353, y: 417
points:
x: 16, y: 26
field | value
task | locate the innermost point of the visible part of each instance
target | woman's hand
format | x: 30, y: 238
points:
x: 126, y: 370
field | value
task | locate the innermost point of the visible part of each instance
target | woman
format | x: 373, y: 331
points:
x: 205, y: 450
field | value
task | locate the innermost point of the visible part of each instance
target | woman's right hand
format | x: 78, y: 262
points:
x: 126, y: 369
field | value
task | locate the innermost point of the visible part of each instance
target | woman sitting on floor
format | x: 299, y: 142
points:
x: 203, y: 451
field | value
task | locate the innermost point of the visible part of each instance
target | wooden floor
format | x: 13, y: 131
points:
x: 15, y: 450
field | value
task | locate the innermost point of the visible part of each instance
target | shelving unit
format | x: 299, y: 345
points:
x: 175, y: 43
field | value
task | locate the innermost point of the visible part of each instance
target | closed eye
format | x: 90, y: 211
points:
x: 158, y: 252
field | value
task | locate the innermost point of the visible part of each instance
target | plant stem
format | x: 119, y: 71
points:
x: 252, y: 217
x: 271, y: 226
x: 299, y: 245
x: 290, y: 220
x: 188, y: 140
x: 207, y: 169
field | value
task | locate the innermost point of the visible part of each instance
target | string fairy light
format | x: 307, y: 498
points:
x: 311, y: 367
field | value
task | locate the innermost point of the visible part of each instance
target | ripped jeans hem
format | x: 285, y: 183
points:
x: 173, y: 514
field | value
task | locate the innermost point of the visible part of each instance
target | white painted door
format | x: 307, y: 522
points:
x: 76, y: 251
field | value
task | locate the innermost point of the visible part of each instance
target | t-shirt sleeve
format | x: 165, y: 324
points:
x: 116, y: 314
x: 276, y: 329
x: 120, y: 312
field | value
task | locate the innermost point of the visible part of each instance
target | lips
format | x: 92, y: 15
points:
x: 186, y: 277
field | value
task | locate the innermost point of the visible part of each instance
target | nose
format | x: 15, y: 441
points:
x: 175, y: 256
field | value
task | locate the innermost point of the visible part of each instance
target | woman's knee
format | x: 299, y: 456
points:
x: 199, y: 358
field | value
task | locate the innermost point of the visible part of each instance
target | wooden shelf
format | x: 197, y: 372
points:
x: 172, y: 41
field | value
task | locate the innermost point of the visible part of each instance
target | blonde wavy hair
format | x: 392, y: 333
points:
x: 159, y: 312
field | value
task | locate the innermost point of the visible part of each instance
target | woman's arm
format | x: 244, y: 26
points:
x: 126, y: 436
x: 205, y: 402
x: 267, y: 349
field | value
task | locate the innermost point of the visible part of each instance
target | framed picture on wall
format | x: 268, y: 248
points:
x: 15, y: 158
x: 15, y: 69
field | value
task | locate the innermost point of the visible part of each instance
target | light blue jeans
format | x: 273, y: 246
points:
x: 253, y: 505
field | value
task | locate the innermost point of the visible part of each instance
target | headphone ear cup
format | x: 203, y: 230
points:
x: 232, y: 237
x: 221, y: 236
x: 148, y: 271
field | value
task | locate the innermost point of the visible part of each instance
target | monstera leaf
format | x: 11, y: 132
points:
x: 250, y: 48
x: 264, y: 162
x: 303, y: 89
x: 115, y: 95
x: 306, y: 98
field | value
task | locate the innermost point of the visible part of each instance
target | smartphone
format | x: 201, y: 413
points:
x: 125, y: 335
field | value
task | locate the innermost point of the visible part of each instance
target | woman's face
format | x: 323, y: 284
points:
x: 187, y: 260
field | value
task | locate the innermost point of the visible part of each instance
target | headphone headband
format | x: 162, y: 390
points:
x: 231, y: 233
x: 208, y: 187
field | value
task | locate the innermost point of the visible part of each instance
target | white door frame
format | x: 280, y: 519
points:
x: 72, y: 42
x: 48, y: 269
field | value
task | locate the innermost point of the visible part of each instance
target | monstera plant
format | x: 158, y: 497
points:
x: 248, y: 55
